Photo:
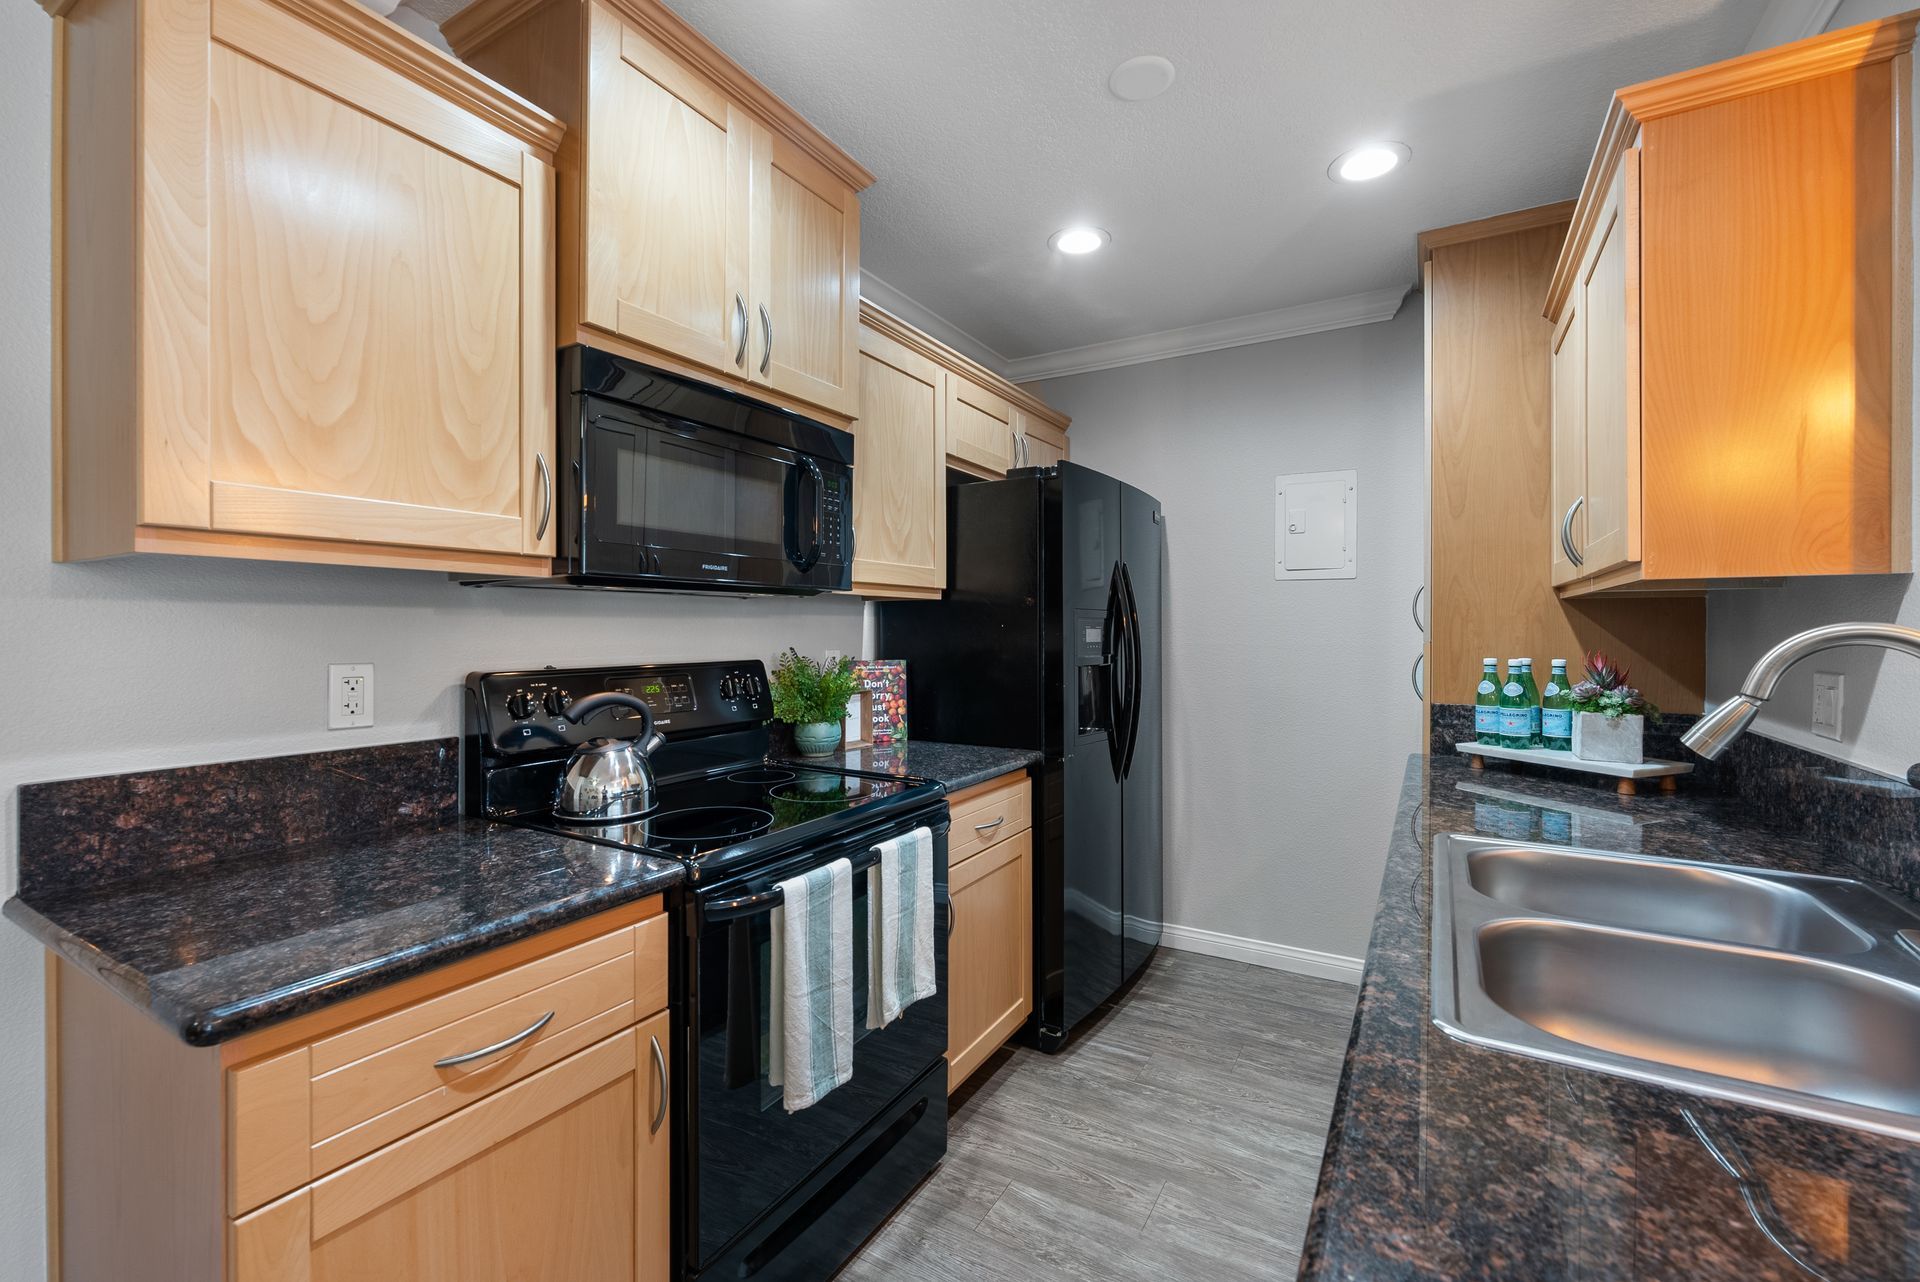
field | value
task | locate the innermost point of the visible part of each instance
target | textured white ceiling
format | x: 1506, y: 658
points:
x: 990, y: 126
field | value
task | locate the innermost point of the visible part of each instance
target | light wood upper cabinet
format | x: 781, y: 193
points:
x: 338, y: 343
x: 807, y: 277
x: 913, y: 390
x: 980, y: 437
x: 668, y: 171
x: 990, y: 952
x: 1569, y: 441
x: 900, y: 494
x: 1742, y: 255
x: 704, y: 226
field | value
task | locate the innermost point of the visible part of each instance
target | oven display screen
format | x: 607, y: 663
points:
x: 666, y: 695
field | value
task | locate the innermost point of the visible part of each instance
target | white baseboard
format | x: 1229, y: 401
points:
x: 1258, y: 952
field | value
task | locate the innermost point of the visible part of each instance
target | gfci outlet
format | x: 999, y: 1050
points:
x: 1829, y: 701
x: 349, y: 695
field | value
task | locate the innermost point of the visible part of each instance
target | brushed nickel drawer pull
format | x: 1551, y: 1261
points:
x: 454, y: 1061
x: 660, y: 1071
x: 990, y: 827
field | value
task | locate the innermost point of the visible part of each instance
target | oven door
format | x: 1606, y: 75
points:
x: 748, y: 1156
x: 698, y: 506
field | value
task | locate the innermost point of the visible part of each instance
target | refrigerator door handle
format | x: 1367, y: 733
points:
x: 1116, y: 655
x: 1135, y: 665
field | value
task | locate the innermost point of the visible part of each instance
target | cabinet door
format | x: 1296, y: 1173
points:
x: 378, y: 285
x: 1609, y: 288
x: 806, y: 274
x: 979, y: 428
x: 536, y: 1181
x: 899, y: 492
x: 1568, y: 505
x: 1034, y: 443
x: 653, y: 1154
x: 668, y: 194
x: 990, y: 953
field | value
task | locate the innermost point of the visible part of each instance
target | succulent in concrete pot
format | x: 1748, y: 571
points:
x: 1609, y: 715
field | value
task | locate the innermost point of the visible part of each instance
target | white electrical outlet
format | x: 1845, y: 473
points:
x: 1829, y: 702
x: 833, y: 657
x: 349, y: 695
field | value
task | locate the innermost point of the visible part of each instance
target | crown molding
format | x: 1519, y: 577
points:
x: 1239, y: 331
x: 927, y: 321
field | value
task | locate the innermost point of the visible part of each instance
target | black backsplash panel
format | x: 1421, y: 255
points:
x: 77, y: 834
x: 1776, y: 785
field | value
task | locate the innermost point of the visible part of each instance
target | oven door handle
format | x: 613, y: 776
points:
x: 747, y: 905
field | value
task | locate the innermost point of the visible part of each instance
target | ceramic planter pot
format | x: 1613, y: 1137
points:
x: 1598, y: 737
x: 819, y: 738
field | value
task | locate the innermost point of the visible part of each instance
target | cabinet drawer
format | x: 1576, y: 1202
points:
x: 989, y: 814
x: 319, y: 1106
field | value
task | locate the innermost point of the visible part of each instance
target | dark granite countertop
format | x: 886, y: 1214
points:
x: 1451, y: 1161
x: 957, y: 765
x: 216, y: 950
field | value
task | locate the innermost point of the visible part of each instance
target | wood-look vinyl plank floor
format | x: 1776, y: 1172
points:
x: 1179, y: 1137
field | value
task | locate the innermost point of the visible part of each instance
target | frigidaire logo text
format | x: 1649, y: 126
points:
x: 721, y: 569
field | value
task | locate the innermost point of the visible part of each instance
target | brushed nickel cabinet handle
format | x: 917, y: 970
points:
x: 953, y: 917
x: 454, y: 1061
x: 990, y: 827
x: 659, y: 1071
x: 740, y: 321
x: 1419, y: 688
x: 766, y: 327
x: 546, y: 497
x: 1418, y: 622
x: 1566, y: 533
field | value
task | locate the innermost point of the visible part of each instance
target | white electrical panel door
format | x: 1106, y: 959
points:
x: 1316, y: 525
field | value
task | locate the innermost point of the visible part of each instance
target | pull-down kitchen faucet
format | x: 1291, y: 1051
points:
x: 1712, y: 733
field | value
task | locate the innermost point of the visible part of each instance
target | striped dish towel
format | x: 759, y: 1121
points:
x: 810, y: 1025
x: 900, y: 927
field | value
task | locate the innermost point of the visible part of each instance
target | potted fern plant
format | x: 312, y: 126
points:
x: 1609, y: 716
x: 812, y: 697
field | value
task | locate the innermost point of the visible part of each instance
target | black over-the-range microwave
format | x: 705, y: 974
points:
x: 664, y: 482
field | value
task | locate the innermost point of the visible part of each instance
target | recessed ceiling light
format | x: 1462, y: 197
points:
x: 1079, y: 240
x: 1363, y: 164
x: 1147, y: 76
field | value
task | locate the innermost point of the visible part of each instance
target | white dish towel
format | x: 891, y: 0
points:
x: 900, y: 927
x: 810, y: 1017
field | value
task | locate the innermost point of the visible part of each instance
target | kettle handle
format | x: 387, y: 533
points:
x: 582, y: 709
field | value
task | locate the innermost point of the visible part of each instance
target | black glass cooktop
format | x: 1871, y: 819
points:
x: 755, y: 806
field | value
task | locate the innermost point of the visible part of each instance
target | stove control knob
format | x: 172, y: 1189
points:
x: 519, y: 706
x: 556, y: 702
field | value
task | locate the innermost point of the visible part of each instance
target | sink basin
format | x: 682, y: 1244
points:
x: 1785, y: 990
x: 1676, y: 899
x: 1765, y: 1018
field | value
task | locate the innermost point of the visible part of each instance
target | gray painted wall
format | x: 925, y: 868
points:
x: 1882, y: 696
x: 171, y: 661
x: 1289, y: 712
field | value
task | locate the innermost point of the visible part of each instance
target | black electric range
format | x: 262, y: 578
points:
x: 758, y: 1191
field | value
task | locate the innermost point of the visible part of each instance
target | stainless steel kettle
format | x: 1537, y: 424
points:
x: 609, y: 779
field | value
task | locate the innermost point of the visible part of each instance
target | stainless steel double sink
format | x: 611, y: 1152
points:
x: 1785, y: 990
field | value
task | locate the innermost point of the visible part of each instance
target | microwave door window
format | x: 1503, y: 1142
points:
x: 615, y: 513
x: 689, y: 494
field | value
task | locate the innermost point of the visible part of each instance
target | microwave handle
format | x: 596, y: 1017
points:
x: 807, y: 558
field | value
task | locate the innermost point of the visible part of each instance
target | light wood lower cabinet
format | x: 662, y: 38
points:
x: 559, y: 1176
x: 305, y: 268
x: 990, y: 950
x: 358, y: 1143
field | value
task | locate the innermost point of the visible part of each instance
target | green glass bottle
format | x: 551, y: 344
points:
x: 1533, y: 704
x: 1486, y: 704
x: 1515, y: 724
x: 1556, y: 710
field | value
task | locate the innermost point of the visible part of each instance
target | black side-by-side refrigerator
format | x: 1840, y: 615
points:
x: 1049, y: 638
